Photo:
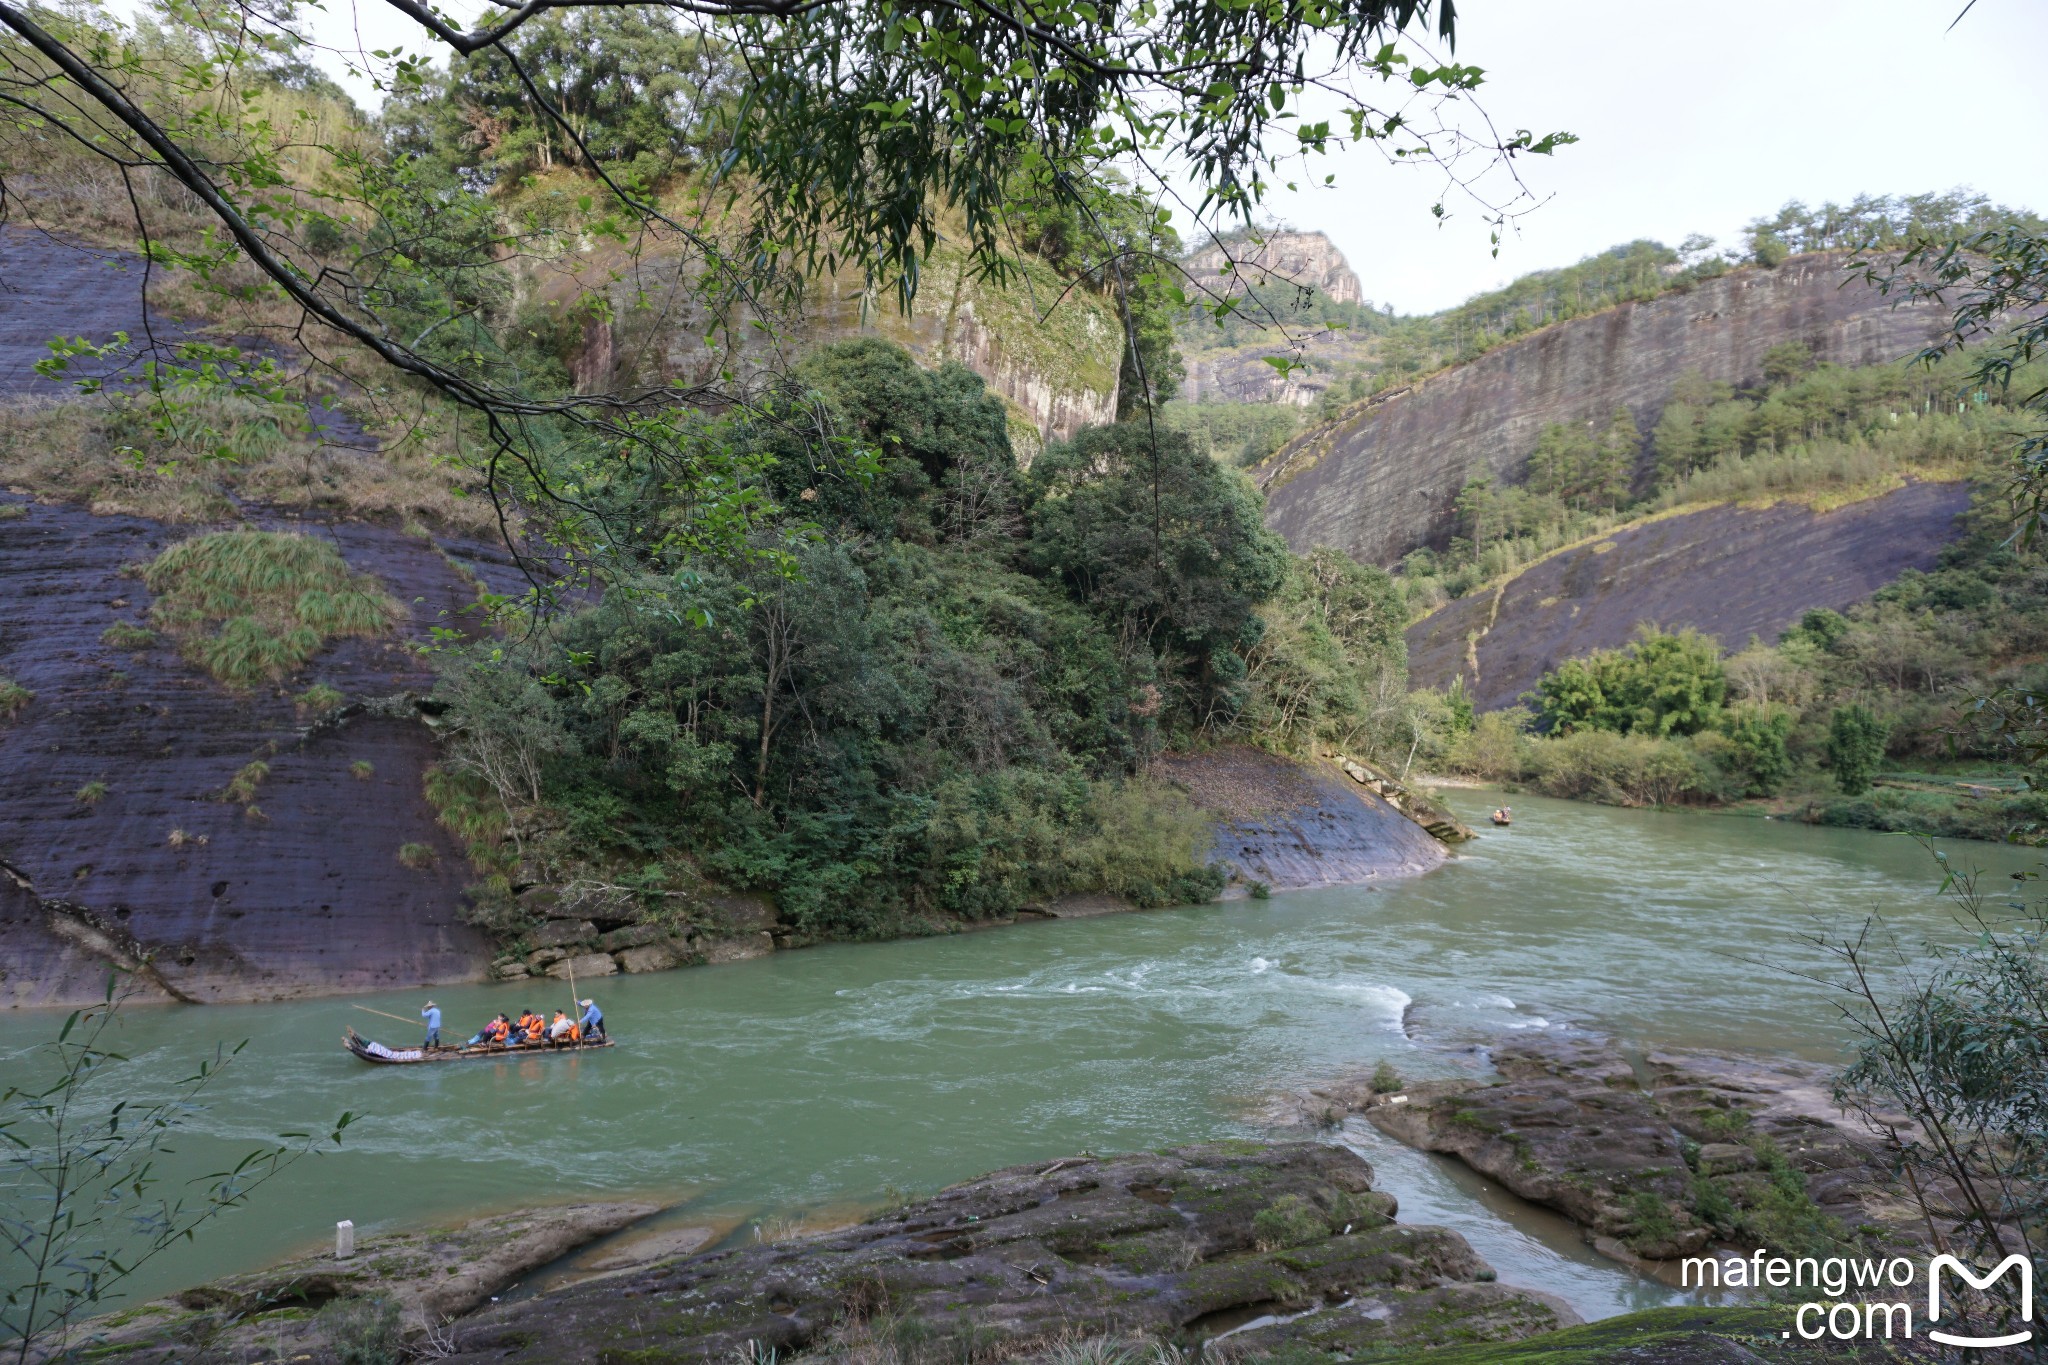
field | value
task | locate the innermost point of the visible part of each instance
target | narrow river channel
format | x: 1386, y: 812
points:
x: 819, y: 1082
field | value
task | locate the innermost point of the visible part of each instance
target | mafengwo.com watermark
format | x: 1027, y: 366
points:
x: 1862, y: 1299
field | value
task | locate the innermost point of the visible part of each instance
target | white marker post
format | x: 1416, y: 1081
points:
x: 344, y: 1239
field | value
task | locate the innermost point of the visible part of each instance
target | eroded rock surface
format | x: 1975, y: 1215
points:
x: 1729, y: 572
x: 432, y: 1277
x: 306, y: 894
x: 1382, y: 479
x: 1192, y: 1244
x: 1295, y: 825
x: 1656, y: 1156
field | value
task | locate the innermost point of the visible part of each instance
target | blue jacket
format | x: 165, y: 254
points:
x: 432, y: 1016
x: 592, y: 1017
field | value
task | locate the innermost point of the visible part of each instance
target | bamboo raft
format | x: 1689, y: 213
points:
x: 370, y: 1050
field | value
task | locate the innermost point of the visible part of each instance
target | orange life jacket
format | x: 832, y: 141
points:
x: 535, y: 1029
x: 497, y: 1030
x: 575, y: 1033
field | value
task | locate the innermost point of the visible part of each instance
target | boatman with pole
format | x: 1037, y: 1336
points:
x: 592, y: 1021
x: 432, y: 1014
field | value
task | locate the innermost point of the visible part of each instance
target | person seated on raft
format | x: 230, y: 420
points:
x: 531, y: 1029
x: 563, y: 1030
x: 493, y: 1032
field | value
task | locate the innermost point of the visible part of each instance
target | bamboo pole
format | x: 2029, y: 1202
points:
x: 366, y: 1009
x: 573, y: 1007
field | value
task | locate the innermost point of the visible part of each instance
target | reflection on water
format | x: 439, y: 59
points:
x: 812, y: 1078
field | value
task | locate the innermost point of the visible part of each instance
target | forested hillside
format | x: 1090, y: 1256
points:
x: 818, y: 637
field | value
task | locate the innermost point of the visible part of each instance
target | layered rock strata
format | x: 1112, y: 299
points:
x: 1730, y: 572
x: 1381, y: 480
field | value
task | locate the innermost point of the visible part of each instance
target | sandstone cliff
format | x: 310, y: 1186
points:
x: 1380, y: 481
x: 1292, y: 271
x: 309, y: 896
x: 1051, y: 352
x: 1291, y: 260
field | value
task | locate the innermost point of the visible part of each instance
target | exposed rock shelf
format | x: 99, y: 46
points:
x: 1656, y: 1156
x: 1730, y: 572
x: 1293, y: 825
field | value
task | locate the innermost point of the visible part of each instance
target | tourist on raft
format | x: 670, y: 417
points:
x: 563, y: 1030
x: 593, y: 1021
x: 494, y: 1032
x: 432, y: 1014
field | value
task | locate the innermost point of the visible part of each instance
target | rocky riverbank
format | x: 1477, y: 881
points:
x: 1655, y: 1155
x: 1248, y: 1251
x: 1280, y: 825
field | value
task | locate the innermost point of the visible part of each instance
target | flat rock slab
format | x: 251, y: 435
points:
x: 1654, y: 1158
x: 1294, y: 825
x: 1730, y: 572
x: 1289, y: 1243
x: 432, y: 1276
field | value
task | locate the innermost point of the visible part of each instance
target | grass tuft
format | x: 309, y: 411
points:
x: 90, y: 794
x: 241, y: 789
x: 14, y: 698
x: 318, y: 699
x: 252, y: 606
x: 362, y: 769
x: 122, y: 635
x: 418, y: 857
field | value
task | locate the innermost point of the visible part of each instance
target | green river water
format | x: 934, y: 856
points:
x: 817, y: 1082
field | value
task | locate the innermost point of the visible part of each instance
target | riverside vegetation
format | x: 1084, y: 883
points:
x: 931, y: 702
x: 1882, y: 694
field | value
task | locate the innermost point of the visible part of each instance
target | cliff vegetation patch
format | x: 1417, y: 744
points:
x: 254, y: 606
x: 188, y: 458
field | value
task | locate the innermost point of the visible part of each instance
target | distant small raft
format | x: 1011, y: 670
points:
x: 372, y: 1051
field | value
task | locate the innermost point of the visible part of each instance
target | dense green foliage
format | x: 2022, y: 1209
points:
x: 1660, y: 685
x: 1240, y: 434
x: 1856, y: 740
x: 933, y: 700
x: 1865, y: 718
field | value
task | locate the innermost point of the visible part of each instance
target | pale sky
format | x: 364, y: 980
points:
x: 1693, y: 118
x: 1698, y: 118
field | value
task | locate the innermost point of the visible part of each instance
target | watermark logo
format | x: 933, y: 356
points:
x: 1852, y: 1309
x: 2013, y: 1262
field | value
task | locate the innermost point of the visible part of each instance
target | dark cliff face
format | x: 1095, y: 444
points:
x: 1730, y: 572
x: 1381, y: 481
x: 307, y: 896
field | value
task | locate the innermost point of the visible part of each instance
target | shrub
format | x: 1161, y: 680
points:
x: 1385, y: 1080
x: 14, y: 698
x: 362, y: 1332
x: 1661, y: 684
x: 241, y: 788
x: 1149, y: 847
x: 319, y: 699
x: 1759, y: 763
x: 362, y: 769
x: 418, y: 857
x: 122, y: 635
x: 1495, y: 749
x: 90, y: 794
x: 255, y: 605
x: 1856, y: 743
x: 1289, y: 1221
x: 1620, y: 770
